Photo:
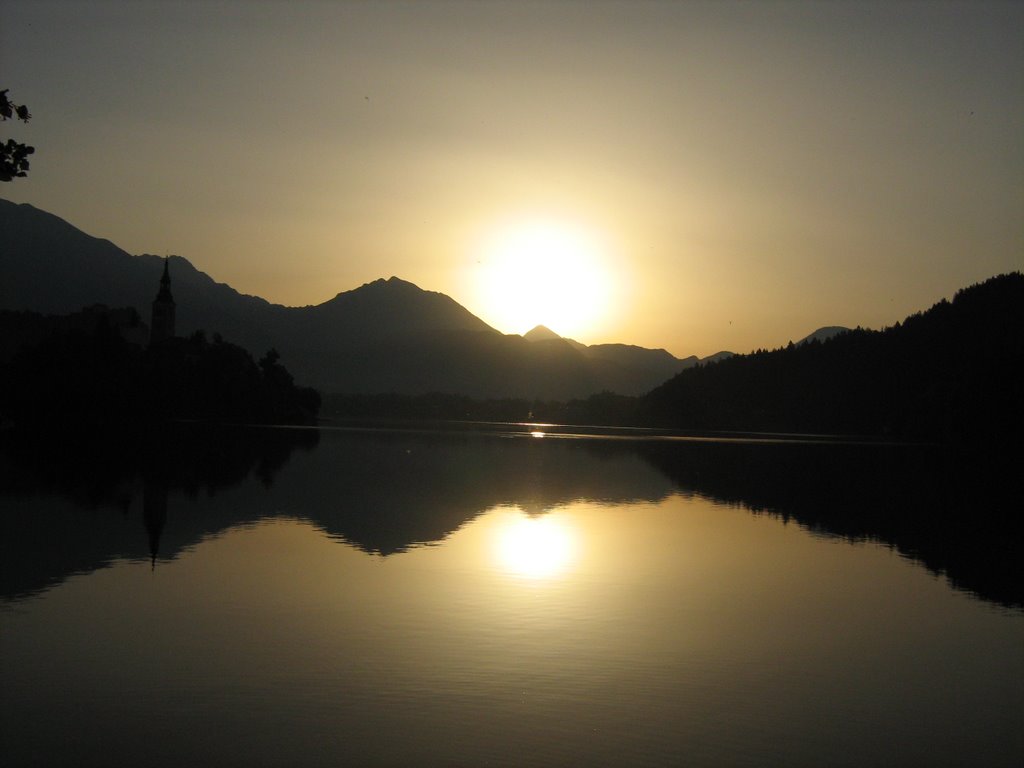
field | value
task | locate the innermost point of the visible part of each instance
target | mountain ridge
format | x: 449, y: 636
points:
x: 388, y: 335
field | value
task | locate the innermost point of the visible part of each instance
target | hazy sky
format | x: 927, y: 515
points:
x: 716, y: 175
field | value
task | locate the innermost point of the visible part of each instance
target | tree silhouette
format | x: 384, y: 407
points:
x: 949, y: 374
x: 80, y: 369
x: 13, y: 154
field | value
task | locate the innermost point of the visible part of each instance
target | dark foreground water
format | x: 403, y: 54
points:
x: 292, y: 597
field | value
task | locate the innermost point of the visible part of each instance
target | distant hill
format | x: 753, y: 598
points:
x: 823, y: 334
x: 723, y: 355
x: 385, y: 336
x: 951, y: 373
x: 629, y: 367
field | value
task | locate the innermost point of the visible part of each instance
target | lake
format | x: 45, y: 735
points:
x: 505, y: 596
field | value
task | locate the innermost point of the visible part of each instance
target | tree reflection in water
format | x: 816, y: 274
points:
x: 387, y: 491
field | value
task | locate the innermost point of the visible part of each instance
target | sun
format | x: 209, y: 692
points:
x: 543, y: 273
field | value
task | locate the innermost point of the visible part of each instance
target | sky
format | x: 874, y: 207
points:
x: 692, y: 176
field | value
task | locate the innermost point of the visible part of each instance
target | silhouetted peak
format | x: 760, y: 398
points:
x: 393, y: 283
x: 540, y: 333
x: 384, y: 287
x: 393, y: 307
x: 723, y: 355
x: 823, y: 334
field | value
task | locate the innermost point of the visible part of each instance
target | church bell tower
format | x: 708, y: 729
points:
x: 162, y: 325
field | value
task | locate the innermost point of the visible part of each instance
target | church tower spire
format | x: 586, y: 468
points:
x: 162, y: 325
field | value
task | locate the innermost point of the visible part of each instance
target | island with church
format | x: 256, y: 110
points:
x: 104, y: 366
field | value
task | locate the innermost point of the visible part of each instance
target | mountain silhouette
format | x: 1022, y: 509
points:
x: 635, y: 365
x: 823, y: 334
x: 385, y: 336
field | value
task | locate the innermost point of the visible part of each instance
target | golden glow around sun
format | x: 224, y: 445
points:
x: 543, y: 273
x: 535, y: 547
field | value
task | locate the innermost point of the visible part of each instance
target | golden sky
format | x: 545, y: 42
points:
x: 707, y: 175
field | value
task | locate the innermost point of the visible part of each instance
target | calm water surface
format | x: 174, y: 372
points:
x: 401, y: 598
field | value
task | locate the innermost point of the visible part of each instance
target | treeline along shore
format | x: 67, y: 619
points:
x: 91, y: 369
x: 949, y: 374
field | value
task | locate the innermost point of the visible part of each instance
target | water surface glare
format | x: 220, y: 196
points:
x: 509, y: 602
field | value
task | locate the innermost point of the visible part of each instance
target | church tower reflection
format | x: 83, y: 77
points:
x: 154, y: 513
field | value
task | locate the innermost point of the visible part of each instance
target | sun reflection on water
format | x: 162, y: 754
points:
x: 535, y: 548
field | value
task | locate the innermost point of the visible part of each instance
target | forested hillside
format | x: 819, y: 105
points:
x: 950, y: 373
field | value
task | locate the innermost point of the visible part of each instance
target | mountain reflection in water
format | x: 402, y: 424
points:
x: 265, y: 597
x: 385, y: 491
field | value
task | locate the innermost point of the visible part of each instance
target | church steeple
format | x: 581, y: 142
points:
x: 165, y: 283
x: 162, y: 324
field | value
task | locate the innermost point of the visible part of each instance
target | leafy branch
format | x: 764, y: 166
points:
x: 13, y: 154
